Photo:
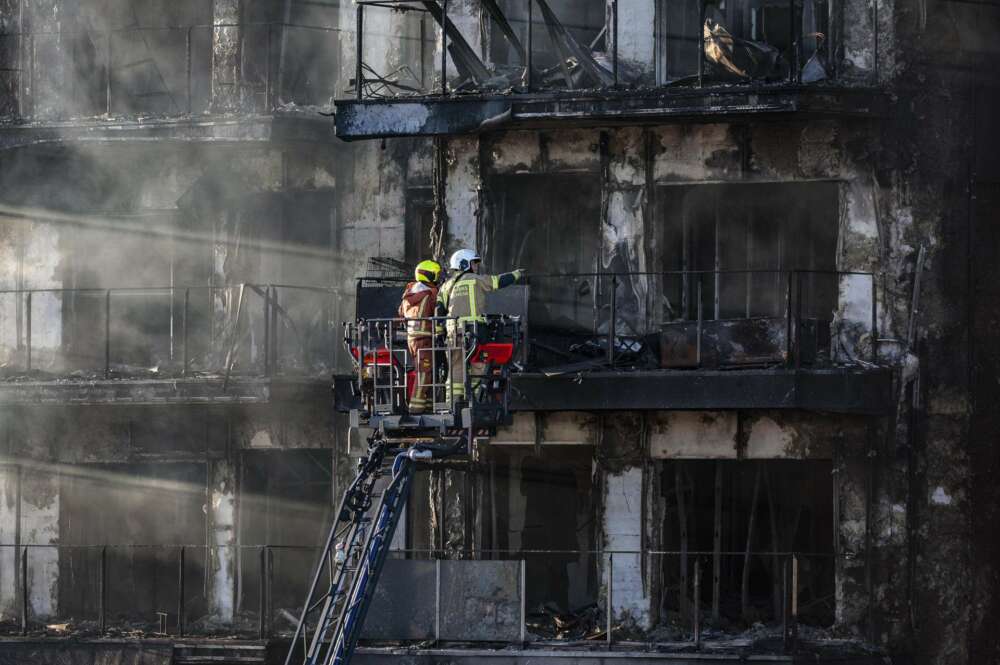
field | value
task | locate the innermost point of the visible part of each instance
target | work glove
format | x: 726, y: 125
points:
x: 521, y: 276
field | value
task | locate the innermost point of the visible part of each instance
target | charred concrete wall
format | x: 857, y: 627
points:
x: 889, y: 497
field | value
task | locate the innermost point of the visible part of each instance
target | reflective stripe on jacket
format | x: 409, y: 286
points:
x: 418, y: 302
x: 464, y: 295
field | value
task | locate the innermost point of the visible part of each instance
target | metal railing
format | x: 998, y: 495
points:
x: 384, y: 359
x: 450, y: 355
x: 696, y: 318
x: 707, y: 317
x: 709, y: 51
x: 94, y: 589
x: 168, y: 71
x: 238, y: 330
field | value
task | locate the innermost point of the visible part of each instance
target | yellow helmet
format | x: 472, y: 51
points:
x: 428, y: 272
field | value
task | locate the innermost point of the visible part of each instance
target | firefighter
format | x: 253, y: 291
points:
x: 419, y: 301
x: 463, y: 296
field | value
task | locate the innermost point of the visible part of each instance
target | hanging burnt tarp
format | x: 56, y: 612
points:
x: 738, y: 57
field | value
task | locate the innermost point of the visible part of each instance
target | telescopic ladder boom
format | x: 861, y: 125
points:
x: 354, y: 555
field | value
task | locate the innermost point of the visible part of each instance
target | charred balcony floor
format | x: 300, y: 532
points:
x: 846, y: 390
x: 168, y: 650
x: 292, y: 126
x: 464, y: 114
x: 211, y: 389
x: 675, y: 653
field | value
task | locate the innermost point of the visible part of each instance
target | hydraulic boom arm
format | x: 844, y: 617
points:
x: 355, y: 552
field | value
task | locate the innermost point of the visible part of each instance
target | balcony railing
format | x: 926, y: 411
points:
x: 421, y: 49
x: 688, y: 319
x: 423, y: 591
x: 711, y: 318
x: 256, y: 330
x: 571, y: 322
x: 167, y: 71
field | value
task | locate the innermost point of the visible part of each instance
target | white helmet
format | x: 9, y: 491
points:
x: 463, y: 258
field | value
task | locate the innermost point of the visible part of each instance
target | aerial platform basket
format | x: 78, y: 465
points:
x: 468, y: 390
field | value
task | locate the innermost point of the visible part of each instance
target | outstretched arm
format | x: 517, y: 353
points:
x: 507, y: 279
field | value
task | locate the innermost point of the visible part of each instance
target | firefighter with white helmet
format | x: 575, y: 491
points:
x: 463, y: 297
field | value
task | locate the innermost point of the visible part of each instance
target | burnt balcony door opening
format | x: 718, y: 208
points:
x: 544, y: 507
x: 285, y: 502
x: 141, y: 513
x: 144, y: 251
x: 550, y: 226
x: 772, y: 507
x: 740, y: 243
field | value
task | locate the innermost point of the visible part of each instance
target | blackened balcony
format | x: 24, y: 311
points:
x: 733, y: 339
x: 219, y: 81
x: 525, y: 63
x: 244, y: 343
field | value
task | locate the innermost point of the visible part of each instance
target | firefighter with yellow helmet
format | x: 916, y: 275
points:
x: 463, y: 297
x: 419, y: 301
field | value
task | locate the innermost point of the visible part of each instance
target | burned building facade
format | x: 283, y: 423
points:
x: 757, y: 372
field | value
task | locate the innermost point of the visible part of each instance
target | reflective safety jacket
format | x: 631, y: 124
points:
x: 419, y: 301
x: 464, y: 296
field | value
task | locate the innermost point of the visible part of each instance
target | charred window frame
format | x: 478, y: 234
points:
x: 746, y: 237
x: 542, y: 507
x: 755, y: 514
x: 107, y: 507
x: 419, y: 221
x: 304, y: 57
x: 117, y: 58
x: 584, y: 20
x: 284, y: 504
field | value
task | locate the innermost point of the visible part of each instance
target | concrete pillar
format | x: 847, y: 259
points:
x: 29, y: 515
x: 623, y: 525
x: 449, y: 510
x: 10, y: 497
x: 623, y: 226
x: 40, y: 526
x: 462, y: 196
x: 222, y: 554
x: 636, y: 40
x: 372, y: 196
x: 226, y: 54
x: 851, y: 510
